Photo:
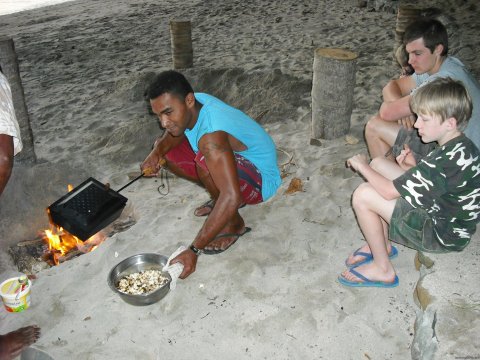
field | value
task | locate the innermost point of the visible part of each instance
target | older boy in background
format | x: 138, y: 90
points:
x: 426, y: 43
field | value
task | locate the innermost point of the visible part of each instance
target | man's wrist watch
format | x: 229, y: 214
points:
x: 196, y: 251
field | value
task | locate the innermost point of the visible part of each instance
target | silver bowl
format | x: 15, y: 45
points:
x: 137, y: 263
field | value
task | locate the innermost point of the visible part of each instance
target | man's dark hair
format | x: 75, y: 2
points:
x: 169, y: 82
x: 432, y: 31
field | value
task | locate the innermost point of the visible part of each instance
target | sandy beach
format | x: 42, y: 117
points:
x: 274, y: 295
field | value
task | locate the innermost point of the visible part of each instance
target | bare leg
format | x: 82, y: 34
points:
x: 175, y: 169
x: 207, y: 181
x: 372, y: 212
x: 380, y: 136
x: 391, y: 170
x: 13, y: 343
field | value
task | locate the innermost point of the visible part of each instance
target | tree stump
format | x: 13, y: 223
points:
x: 181, y: 40
x: 332, y: 92
x: 405, y: 16
x: 9, y: 64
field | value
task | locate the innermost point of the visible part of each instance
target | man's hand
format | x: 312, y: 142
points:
x: 406, y: 160
x: 189, y: 261
x: 356, y: 161
x: 407, y: 122
x: 152, y: 164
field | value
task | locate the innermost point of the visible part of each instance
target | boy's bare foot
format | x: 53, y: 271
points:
x: 13, y: 343
x: 371, y: 272
x: 364, y: 255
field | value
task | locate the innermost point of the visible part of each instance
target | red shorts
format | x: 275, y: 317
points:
x: 249, y: 177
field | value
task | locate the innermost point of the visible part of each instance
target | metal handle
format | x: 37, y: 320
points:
x: 131, y: 182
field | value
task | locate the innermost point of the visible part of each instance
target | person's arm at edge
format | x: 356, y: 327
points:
x: 380, y: 183
x: 6, y: 159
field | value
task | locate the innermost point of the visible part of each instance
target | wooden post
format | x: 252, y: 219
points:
x: 9, y: 64
x: 332, y: 92
x: 181, y: 39
x: 405, y: 15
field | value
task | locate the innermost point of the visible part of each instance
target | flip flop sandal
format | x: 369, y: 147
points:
x: 368, y: 257
x: 210, y: 204
x: 207, y: 205
x: 365, y: 282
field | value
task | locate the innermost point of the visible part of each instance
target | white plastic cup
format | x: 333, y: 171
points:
x: 15, y: 301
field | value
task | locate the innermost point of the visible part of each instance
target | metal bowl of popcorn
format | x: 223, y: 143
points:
x: 139, y: 279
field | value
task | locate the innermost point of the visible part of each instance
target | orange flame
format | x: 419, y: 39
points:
x: 60, y: 242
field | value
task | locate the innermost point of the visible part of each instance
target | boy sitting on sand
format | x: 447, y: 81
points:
x: 432, y: 207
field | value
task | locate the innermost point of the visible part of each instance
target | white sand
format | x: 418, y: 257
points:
x: 274, y: 295
x: 13, y: 6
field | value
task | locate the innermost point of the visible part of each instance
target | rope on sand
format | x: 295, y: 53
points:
x: 164, y: 187
x: 285, y: 166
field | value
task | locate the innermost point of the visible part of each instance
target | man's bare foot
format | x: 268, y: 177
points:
x: 13, y: 343
x: 223, y: 241
x: 227, y: 237
x: 205, y: 209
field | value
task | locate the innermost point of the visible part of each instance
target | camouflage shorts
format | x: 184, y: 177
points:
x: 412, y: 227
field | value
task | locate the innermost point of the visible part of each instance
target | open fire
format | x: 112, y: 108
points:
x: 56, y: 245
x: 63, y: 246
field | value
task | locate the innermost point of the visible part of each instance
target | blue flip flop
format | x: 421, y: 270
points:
x: 366, y: 282
x: 369, y: 257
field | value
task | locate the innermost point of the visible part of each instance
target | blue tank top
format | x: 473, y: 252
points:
x: 215, y: 115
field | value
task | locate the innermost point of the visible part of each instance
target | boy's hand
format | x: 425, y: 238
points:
x: 356, y: 161
x: 406, y: 160
x: 407, y: 122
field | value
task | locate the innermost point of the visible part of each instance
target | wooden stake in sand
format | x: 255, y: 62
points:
x: 9, y: 64
x: 332, y: 92
x: 181, y: 38
x: 405, y: 16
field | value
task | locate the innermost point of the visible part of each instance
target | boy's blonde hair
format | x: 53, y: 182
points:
x: 445, y: 98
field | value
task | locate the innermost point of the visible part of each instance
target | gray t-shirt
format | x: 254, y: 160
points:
x: 454, y: 68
